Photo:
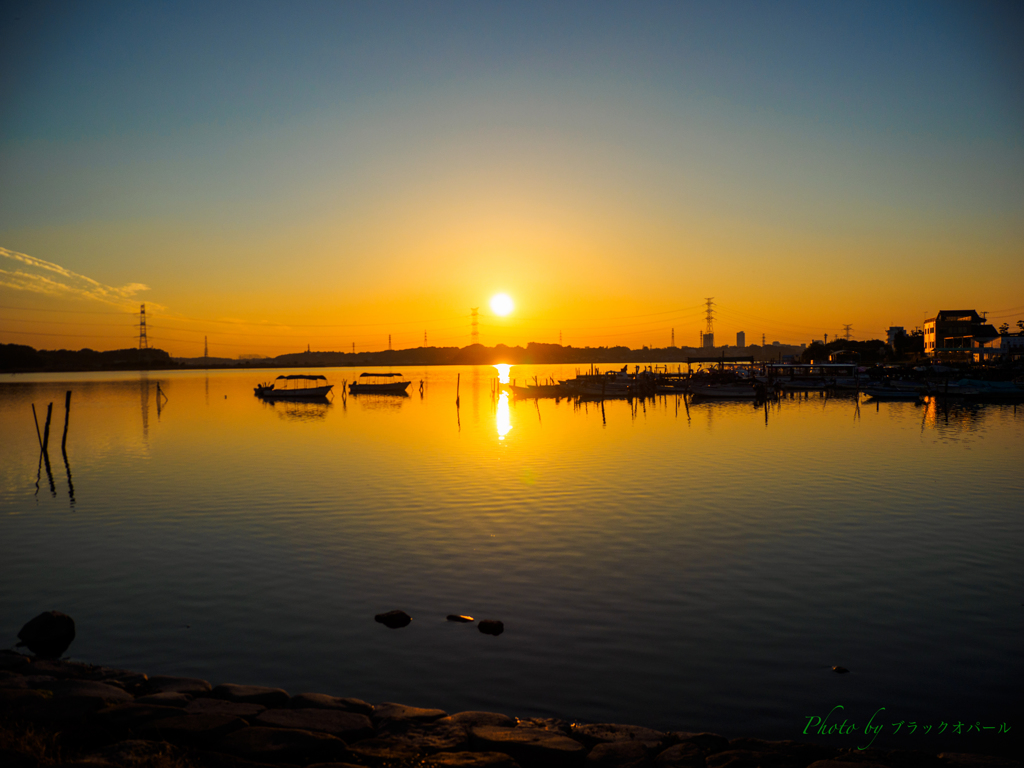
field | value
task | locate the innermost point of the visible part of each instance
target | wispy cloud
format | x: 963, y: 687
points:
x: 45, y: 277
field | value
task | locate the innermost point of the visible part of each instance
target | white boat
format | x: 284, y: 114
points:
x: 378, y: 383
x: 297, y: 386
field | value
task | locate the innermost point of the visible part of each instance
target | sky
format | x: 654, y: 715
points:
x: 267, y: 176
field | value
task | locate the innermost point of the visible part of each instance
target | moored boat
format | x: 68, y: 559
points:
x: 378, y: 383
x: 735, y: 391
x: 296, y: 386
x: 890, y: 393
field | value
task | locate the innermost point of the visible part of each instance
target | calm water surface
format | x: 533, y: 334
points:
x: 694, y: 567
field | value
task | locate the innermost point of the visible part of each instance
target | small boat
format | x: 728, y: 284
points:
x: 736, y: 391
x: 540, y: 390
x: 378, y: 384
x: 297, y: 386
x: 890, y: 393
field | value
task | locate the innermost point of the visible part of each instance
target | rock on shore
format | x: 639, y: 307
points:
x: 64, y: 713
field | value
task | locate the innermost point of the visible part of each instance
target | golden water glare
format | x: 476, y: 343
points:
x: 503, y: 419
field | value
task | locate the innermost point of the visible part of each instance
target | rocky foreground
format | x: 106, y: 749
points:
x: 55, y: 712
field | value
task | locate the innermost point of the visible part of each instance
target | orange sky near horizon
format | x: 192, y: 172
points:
x: 336, y: 176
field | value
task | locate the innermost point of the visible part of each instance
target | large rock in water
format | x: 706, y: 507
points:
x: 48, y: 635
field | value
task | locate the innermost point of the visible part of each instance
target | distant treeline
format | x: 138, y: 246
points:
x: 20, y: 358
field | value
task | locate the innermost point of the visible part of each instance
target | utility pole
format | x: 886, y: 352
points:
x: 708, y: 339
x: 762, y: 339
x: 143, y: 340
x: 559, y: 338
x: 474, y: 325
x: 847, y: 328
x: 206, y: 346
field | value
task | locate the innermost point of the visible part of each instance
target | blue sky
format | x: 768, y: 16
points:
x: 421, y: 155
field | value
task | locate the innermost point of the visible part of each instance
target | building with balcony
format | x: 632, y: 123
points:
x: 955, y: 333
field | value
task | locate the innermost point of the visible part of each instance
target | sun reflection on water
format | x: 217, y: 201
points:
x: 503, y: 372
x: 502, y: 418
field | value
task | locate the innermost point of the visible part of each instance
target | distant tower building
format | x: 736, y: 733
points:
x: 741, y: 339
x: 893, y: 333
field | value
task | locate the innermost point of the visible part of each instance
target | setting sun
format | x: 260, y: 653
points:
x: 501, y: 304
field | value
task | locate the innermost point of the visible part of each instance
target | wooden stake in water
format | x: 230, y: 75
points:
x: 46, y: 429
x: 35, y: 418
x: 458, y: 379
x: 67, y: 418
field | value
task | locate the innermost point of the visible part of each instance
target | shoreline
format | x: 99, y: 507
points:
x: 56, y: 712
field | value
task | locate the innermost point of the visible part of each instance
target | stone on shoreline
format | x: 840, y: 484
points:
x: 470, y: 719
x: 251, y: 694
x: 491, y: 627
x: 708, y: 743
x: 554, y: 724
x: 393, y: 619
x: 48, y: 635
x: 389, y: 713
x: 133, y: 715
x: 618, y: 754
x: 686, y: 754
x: 597, y: 733
x: 199, y: 729
x: 283, y: 745
x: 383, y: 751
x: 460, y: 618
x: 734, y: 758
x: 529, y: 746
x: 433, y: 737
x: 470, y: 760
x: 169, y: 684
x: 323, y: 701
x: 348, y: 726
x: 170, y: 699
x: 12, y: 660
x: 211, y: 706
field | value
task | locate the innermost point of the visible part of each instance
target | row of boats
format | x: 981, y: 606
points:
x: 744, y: 385
x: 303, y: 386
x: 700, y: 385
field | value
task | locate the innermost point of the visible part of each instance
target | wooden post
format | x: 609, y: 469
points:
x: 35, y: 418
x: 458, y: 380
x: 46, y: 429
x: 67, y: 418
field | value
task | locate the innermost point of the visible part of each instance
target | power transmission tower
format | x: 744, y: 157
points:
x: 559, y: 338
x: 847, y: 328
x: 708, y: 339
x: 353, y: 347
x: 389, y: 342
x: 474, y: 325
x: 762, y: 339
x: 206, y: 346
x: 424, y: 338
x: 143, y: 341
x: 673, y: 337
